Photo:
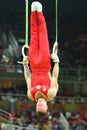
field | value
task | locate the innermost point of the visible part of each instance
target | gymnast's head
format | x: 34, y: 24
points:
x: 41, y: 107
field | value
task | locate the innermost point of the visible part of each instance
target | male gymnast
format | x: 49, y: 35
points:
x: 42, y: 85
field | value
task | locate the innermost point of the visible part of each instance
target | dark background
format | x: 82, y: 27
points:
x: 12, y: 12
x: 72, y: 20
x: 66, y: 8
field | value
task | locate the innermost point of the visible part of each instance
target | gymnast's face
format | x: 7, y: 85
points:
x: 41, y: 105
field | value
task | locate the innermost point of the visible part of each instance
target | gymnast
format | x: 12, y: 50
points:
x: 42, y: 85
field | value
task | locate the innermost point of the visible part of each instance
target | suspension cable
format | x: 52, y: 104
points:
x: 56, y: 20
x: 26, y: 31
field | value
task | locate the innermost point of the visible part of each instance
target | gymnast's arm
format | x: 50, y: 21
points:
x: 54, y: 79
x: 27, y: 72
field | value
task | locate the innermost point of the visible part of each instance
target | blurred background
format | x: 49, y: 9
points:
x: 68, y: 111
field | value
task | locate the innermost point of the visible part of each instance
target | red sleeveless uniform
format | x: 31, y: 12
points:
x: 43, y: 90
x: 39, y: 54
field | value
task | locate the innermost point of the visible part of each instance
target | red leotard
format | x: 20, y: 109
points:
x: 39, y: 53
x: 43, y: 90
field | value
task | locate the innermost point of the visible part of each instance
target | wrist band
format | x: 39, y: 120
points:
x: 56, y: 60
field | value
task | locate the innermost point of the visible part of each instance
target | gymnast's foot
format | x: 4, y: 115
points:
x: 33, y: 6
x: 38, y: 6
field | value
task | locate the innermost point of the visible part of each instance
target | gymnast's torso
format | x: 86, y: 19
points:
x: 39, y: 91
x: 40, y: 84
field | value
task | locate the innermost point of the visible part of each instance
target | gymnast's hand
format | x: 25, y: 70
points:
x: 25, y: 60
x: 54, y: 57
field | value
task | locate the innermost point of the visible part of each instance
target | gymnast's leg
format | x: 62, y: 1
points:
x: 33, y: 50
x: 44, y: 49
